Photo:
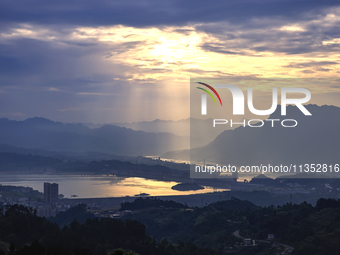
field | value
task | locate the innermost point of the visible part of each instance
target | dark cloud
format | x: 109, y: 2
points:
x: 153, y: 12
x: 311, y: 64
x: 307, y: 71
x: 23, y: 59
x: 219, y: 49
x: 272, y: 36
x: 217, y: 74
x: 323, y: 69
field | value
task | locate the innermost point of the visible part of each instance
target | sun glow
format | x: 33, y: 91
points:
x: 177, y: 53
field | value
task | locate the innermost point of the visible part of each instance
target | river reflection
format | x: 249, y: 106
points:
x: 98, y: 186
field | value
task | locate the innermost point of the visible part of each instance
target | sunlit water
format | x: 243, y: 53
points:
x: 98, y: 186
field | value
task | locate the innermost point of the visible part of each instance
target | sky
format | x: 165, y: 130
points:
x: 123, y: 61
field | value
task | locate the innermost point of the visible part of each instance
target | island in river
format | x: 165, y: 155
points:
x: 187, y: 186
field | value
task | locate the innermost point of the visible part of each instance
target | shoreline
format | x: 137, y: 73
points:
x: 191, y: 200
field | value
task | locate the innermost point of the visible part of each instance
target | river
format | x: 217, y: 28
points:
x: 97, y: 186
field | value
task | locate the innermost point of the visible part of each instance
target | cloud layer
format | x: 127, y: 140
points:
x: 112, y: 61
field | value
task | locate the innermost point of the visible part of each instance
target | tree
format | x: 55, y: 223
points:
x: 122, y: 252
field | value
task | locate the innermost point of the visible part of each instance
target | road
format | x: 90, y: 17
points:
x: 237, y: 234
x: 288, y: 248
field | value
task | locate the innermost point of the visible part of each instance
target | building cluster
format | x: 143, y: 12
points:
x: 48, y: 207
x: 51, y: 203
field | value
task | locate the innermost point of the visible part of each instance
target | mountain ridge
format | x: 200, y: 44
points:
x: 314, y: 140
x: 44, y: 134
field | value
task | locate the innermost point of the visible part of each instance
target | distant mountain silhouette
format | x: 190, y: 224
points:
x: 179, y: 127
x: 44, y: 134
x: 314, y: 140
x: 10, y: 160
x: 65, y: 155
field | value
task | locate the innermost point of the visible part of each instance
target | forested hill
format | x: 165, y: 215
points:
x: 301, y: 226
x: 158, y: 228
x: 24, y: 233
